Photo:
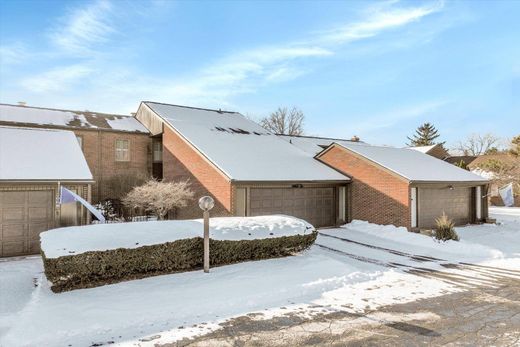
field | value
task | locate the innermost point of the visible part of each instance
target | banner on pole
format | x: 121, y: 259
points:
x: 67, y: 196
x: 506, y: 193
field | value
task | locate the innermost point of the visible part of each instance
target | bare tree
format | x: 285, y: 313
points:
x: 478, y: 144
x: 159, y: 197
x: 285, y: 122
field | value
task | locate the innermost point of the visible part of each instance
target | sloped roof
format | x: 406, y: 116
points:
x: 39, y: 116
x: 313, y: 144
x: 240, y: 148
x: 412, y: 165
x: 41, y: 154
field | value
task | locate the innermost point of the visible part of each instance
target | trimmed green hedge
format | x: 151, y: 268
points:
x: 96, y: 268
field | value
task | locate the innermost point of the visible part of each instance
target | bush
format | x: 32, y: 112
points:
x: 445, y: 229
x: 96, y: 268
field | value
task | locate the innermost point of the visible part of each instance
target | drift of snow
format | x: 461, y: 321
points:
x: 99, y: 237
x: 172, y: 307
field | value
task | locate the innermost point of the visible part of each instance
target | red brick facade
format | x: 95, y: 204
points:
x: 114, y: 178
x: 377, y: 195
x: 180, y: 162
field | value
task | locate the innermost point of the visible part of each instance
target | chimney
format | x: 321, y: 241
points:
x: 354, y: 138
x: 22, y: 103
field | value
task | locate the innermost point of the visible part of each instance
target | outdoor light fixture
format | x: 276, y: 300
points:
x: 206, y: 203
x: 450, y: 187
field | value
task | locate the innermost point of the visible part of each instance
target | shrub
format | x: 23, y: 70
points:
x: 445, y: 229
x: 159, y: 197
x: 95, y: 268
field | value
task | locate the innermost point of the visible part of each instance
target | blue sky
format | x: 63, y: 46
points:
x: 373, y: 69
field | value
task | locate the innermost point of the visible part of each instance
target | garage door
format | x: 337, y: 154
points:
x: 23, y: 215
x: 455, y: 202
x: 315, y: 205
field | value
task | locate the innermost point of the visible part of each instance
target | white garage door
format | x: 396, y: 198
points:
x: 456, y: 203
x: 23, y: 216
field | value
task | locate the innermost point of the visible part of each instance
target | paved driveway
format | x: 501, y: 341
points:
x: 487, y: 313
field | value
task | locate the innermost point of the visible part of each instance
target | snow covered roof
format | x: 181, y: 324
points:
x: 423, y: 149
x: 312, y: 144
x: 17, y: 114
x: 242, y: 149
x: 413, y: 165
x: 41, y: 154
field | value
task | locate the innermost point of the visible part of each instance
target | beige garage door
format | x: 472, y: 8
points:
x: 315, y: 205
x: 23, y: 216
x: 433, y: 201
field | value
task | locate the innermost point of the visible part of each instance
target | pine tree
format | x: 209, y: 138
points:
x: 425, y: 135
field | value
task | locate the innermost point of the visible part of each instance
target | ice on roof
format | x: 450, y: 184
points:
x: 65, y: 118
x: 41, y: 154
x: 242, y: 149
x: 312, y: 145
x: 413, y: 165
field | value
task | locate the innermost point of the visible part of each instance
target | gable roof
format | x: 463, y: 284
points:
x: 39, y: 116
x: 240, y: 148
x: 411, y: 164
x: 313, y: 144
x: 41, y: 154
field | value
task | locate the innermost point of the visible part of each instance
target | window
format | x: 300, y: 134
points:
x: 122, y: 150
x: 80, y: 141
x: 157, y: 151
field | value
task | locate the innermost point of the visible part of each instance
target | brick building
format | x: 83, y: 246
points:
x: 118, y: 149
x: 252, y: 172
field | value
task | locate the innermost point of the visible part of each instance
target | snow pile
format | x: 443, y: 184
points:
x: 388, y: 235
x: 100, y: 237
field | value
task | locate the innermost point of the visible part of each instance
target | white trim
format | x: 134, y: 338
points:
x: 342, y: 205
x: 413, y: 206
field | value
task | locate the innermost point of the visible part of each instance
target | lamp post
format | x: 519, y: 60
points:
x: 206, y: 203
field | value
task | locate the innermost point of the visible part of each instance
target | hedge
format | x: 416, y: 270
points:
x: 96, y: 268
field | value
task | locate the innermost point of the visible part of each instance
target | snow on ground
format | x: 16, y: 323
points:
x: 322, y: 279
x: 99, y: 237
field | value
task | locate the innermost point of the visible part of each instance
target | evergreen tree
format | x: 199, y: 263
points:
x: 425, y: 135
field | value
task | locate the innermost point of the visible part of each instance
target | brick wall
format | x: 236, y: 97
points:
x: 377, y: 196
x: 181, y: 162
x: 114, y: 178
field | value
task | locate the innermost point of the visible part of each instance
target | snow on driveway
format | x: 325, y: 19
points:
x: 371, y: 269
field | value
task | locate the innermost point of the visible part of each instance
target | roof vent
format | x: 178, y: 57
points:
x: 354, y: 138
x: 133, y: 114
x: 220, y: 110
x: 22, y: 103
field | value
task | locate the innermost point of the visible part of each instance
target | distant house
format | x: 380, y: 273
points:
x: 117, y: 148
x: 34, y: 164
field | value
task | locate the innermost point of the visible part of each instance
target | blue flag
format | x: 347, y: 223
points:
x: 506, y: 193
x: 66, y: 196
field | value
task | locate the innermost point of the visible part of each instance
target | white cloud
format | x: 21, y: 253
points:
x: 83, y: 28
x: 13, y: 54
x: 90, y: 29
x: 56, y: 79
x: 376, y: 20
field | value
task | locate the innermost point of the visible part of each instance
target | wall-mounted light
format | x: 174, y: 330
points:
x: 450, y: 187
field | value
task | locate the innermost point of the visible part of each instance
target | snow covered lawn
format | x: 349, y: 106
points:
x: 333, y: 275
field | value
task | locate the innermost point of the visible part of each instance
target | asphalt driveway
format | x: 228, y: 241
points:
x: 486, y: 313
